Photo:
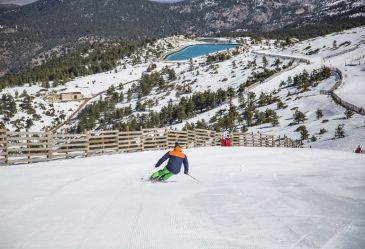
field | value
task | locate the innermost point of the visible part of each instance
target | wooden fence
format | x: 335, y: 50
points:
x: 31, y: 147
x: 337, y: 99
x: 347, y: 105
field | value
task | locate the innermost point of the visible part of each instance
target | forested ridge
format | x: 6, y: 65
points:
x: 30, y: 30
x: 92, y: 59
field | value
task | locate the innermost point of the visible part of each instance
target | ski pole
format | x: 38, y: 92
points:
x: 194, y: 178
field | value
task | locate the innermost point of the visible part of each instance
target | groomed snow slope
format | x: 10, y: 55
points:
x: 249, y: 198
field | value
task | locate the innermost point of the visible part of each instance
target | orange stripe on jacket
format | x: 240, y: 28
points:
x: 177, y: 152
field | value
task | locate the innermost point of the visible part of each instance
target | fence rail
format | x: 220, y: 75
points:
x: 30, y: 147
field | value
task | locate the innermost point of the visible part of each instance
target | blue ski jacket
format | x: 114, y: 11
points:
x: 176, y: 159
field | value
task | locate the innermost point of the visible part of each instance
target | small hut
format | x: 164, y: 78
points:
x: 71, y: 96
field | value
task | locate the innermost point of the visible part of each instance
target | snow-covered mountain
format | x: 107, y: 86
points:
x: 254, y: 71
x: 42, y: 25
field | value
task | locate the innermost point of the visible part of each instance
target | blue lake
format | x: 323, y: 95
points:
x: 198, y: 50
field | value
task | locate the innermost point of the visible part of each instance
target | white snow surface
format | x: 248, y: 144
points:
x: 248, y: 198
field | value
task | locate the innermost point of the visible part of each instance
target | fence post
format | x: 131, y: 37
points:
x: 260, y: 139
x: 5, y: 147
x: 87, y: 145
x: 166, y: 137
x: 117, y: 139
x: 285, y: 141
x: 28, y: 147
x: 194, y: 139
x: 217, y: 139
x: 49, y: 136
x: 266, y: 141
x: 128, y: 138
x: 102, y: 143
x: 212, y: 137
x: 279, y: 139
x: 142, y: 137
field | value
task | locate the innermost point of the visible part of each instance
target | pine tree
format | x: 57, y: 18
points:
x: 264, y: 61
x: 12, y: 109
x: 299, y: 117
x: 322, y: 131
x: 29, y: 124
x: 303, y: 132
x: 262, y: 99
x: 248, y: 114
x: 277, y: 62
x: 349, y: 113
x: 121, y: 97
x: 171, y: 74
x: 280, y: 104
x: 191, y: 65
x: 230, y: 93
x: 274, y: 119
x: 181, y: 115
x: 251, y: 98
x: 24, y: 94
x: 129, y: 95
x: 231, y: 118
x: 319, y: 113
x: 340, y: 131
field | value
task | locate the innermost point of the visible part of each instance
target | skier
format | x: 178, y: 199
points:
x: 176, y: 159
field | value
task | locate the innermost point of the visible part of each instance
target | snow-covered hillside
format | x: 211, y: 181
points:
x: 344, y: 51
x: 267, y: 198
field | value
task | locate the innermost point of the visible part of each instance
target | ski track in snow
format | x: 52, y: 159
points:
x: 282, y: 198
